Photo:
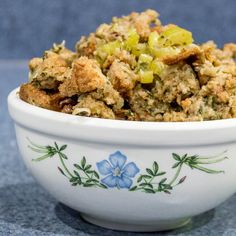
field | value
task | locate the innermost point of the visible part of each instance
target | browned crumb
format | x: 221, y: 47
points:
x: 49, y: 72
x: 35, y: 96
x: 93, y: 108
x: 121, y: 55
x: 231, y: 49
x: 185, y: 53
x: 87, y: 46
x: 177, y: 82
x: 122, y: 77
x: 67, y: 108
x: 109, y: 95
x: 86, y: 76
x: 143, y: 21
x: 161, y: 28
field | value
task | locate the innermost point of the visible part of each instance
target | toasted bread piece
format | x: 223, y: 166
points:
x: 67, y: 55
x: 230, y: 48
x: 86, y: 76
x: 109, y: 95
x: 93, y: 108
x: 49, y: 72
x: 40, y: 98
x: 186, y: 52
x: 122, y: 77
x: 142, y: 22
x: 121, y: 55
x: 87, y: 45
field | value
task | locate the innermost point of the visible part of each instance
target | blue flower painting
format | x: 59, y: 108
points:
x: 118, y: 173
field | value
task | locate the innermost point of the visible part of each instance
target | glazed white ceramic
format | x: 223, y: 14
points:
x: 120, y: 152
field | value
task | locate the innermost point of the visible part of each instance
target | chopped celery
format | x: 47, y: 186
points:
x: 141, y: 48
x: 132, y: 40
x: 157, y: 67
x: 175, y: 36
x: 110, y: 47
x: 107, y: 49
x: 146, y: 77
x: 167, y: 51
x: 153, y: 40
x: 145, y: 58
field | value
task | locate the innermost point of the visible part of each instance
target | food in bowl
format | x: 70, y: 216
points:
x: 136, y: 69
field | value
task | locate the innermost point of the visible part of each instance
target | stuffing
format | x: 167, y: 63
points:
x: 135, y: 68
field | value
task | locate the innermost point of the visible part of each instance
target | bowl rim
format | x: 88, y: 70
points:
x: 139, y: 132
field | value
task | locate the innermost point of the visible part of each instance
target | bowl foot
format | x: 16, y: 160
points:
x: 149, y: 227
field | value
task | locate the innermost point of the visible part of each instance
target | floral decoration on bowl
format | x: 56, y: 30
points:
x: 118, y: 172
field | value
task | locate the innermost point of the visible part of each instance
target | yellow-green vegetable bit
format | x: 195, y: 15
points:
x: 167, y: 51
x: 153, y: 41
x: 132, y: 40
x: 141, y: 48
x: 145, y: 58
x: 146, y: 77
x: 107, y: 49
x: 157, y: 67
x: 175, y: 36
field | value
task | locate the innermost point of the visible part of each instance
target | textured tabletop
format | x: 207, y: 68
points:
x: 26, y: 209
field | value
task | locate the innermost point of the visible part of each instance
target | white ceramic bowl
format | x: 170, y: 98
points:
x: 125, y: 175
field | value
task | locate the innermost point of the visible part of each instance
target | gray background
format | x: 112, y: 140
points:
x: 28, y: 27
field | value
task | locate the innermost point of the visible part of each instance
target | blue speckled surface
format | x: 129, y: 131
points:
x: 27, y: 210
x: 28, y: 27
